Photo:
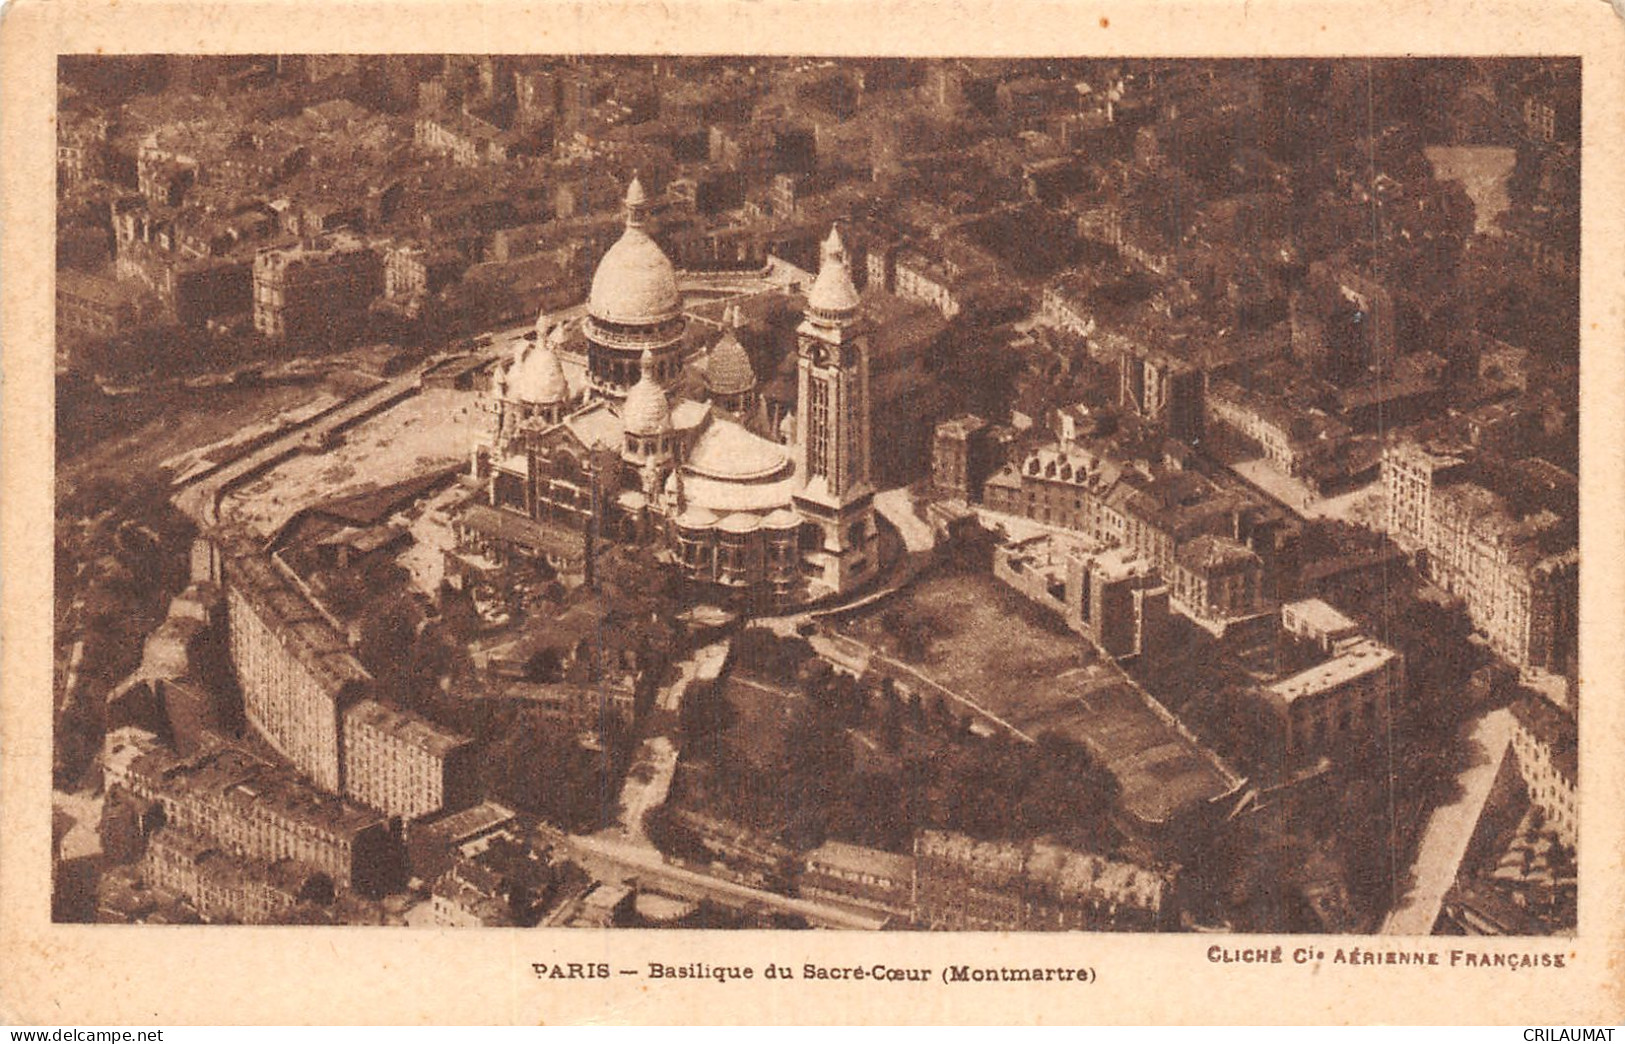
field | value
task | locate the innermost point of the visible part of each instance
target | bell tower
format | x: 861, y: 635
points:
x: 832, y: 425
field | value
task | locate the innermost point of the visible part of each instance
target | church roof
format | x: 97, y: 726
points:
x: 833, y: 292
x: 596, y: 426
x: 697, y: 518
x: 537, y: 376
x: 740, y: 522
x: 636, y: 197
x: 727, y: 369
x: 647, y: 411
x: 727, y: 450
x: 723, y: 496
x: 687, y: 414
x: 635, y: 283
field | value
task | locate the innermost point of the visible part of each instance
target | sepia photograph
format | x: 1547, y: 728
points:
x: 763, y: 492
x: 707, y: 519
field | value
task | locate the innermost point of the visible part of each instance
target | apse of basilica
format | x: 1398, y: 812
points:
x: 765, y: 517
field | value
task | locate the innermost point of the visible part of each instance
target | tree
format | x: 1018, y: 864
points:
x: 891, y: 717
x: 705, y: 717
x: 766, y: 654
x: 673, y: 837
x: 526, y: 880
x: 870, y: 812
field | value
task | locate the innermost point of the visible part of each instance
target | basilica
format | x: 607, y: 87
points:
x: 763, y: 515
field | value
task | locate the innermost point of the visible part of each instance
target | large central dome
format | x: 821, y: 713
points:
x: 635, y: 283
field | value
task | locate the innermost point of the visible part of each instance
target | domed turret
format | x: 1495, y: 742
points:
x: 646, y: 412
x: 537, y: 377
x: 728, y: 372
x: 833, y: 297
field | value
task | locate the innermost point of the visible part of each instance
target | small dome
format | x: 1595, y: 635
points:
x: 697, y: 518
x: 740, y: 522
x: 635, y: 283
x: 832, y: 293
x: 646, y: 412
x: 537, y: 377
x: 727, y: 368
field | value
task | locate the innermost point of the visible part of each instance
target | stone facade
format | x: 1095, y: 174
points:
x: 1519, y: 577
x: 851, y: 875
x: 295, y: 672
x: 404, y: 766
x: 1340, y: 703
x: 311, y: 293
x: 1545, y: 740
x: 254, y: 810
x: 966, y: 885
x: 218, y: 886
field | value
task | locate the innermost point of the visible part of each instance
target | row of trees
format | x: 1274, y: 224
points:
x: 120, y: 555
x: 532, y: 764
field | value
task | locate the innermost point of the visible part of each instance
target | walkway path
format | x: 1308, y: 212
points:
x: 1450, y: 828
x: 657, y: 755
x: 1361, y: 505
x: 898, y: 508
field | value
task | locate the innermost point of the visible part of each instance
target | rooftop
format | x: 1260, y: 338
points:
x: 231, y: 775
x: 963, y: 426
x: 1208, y: 552
x: 1358, y: 660
x: 467, y: 823
x: 1069, y: 873
x: 728, y: 451
x: 1318, y: 617
x: 406, y: 727
x: 859, y: 859
x: 307, y: 634
x: 1088, y: 875
x: 517, y: 529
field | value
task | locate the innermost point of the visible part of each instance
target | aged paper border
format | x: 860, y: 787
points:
x: 90, y: 974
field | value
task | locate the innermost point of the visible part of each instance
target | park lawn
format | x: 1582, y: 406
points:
x: 972, y: 634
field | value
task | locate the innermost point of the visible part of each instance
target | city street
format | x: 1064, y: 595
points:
x: 1450, y: 828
